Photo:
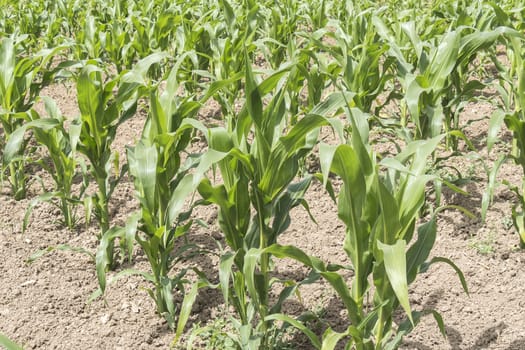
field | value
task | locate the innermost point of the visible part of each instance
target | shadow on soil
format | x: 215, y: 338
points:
x: 488, y: 337
x: 464, y: 225
x: 485, y: 339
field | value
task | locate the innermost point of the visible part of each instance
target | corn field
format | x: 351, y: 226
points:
x: 240, y: 174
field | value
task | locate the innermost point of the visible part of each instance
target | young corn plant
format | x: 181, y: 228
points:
x: 63, y: 164
x: 279, y: 29
x: 512, y: 93
x: 89, y: 43
x: 154, y: 34
x: 21, y: 80
x: 101, y: 113
x: 261, y: 159
x: 117, y: 44
x: 380, y: 209
x: 361, y: 65
x: 163, y: 184
x: 436, y: 81
x: 227, y: 60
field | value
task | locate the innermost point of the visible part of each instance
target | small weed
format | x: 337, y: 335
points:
x: 212, y: 336
x: 483, y: 246
x: 507, y: 222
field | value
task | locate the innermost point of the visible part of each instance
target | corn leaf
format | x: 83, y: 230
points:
x: 331, y: 338
x: 298, y: 325
x: 418, y: 253
x: 9, y: 344
x: 395, y: 266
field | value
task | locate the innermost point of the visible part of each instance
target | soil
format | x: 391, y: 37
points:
x: 43, y: 305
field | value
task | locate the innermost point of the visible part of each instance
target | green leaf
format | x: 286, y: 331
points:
x: 297, y: 254
x: 395, y: 266
x: 454, y: 266
x: 62, y: 247
x: 479, y: 40
x: 144, y: 169
x: 9, y: 344
x: 253, y: 97
x: 418, y: 253
x: 331, y: 338
x: 250, y: 263
x: 459, y: 134
x: 440, y: 323
x: 287, y: 319
x: 491, y: 186
x: 185, y: 311
x: 443, y: 61
x: 326, y: 157
x: 140, y: 69
x: 130, y: 231
x: 46, y: 197
x: 225, y: 274
x: 190, y: 183
x: 102, y: 260
x: 14, y: 145
x: 496, y: 120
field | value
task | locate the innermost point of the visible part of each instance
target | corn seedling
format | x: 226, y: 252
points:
x: 379, y: 210
x: 21, y: 79
x: 163, y: 183
x: 101, y: 112
x: 117, y: 44
x: 89, y: 43
x: 360, y: 62
x: 61, y: 144
x: 434, y: 80
x: 512, y: 91
x: 259, y: 177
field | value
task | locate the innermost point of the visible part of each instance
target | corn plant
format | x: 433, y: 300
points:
x: 117, y: 43
x: 279, y: 31
x: 435, y: 84
x: 227, y: 58
x: 360, y: 62
x: 259, y: 178
x: 512, y: 93
x: 152, y: 34
x: 64, y: 166
x: 101, y: 113
x: 380, y: 210
x: 21, y: 80
x: 163, y: 183
x: 89, y: 43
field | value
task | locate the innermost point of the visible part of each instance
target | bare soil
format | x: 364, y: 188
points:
x: 43, y: 305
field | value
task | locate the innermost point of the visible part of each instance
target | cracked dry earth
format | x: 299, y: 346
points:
x: 43, y: 305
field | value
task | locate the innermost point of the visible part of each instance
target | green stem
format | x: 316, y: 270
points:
x: 380, y: 329
x: 103, y: 216
x: 264, y: 266
x: 66, y: 211
x: 17, y: 179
